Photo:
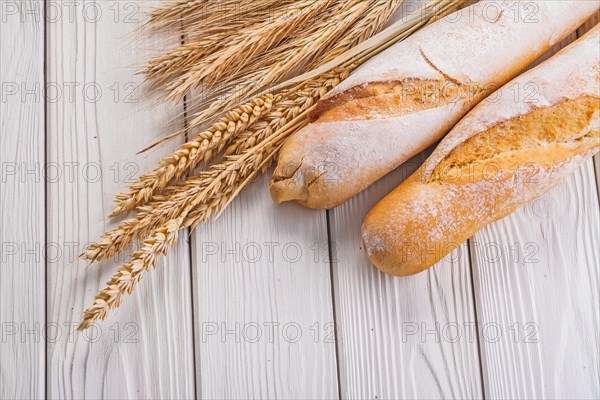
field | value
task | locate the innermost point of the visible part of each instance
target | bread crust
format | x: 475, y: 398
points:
x: 388, y: 111
x: 502, y: 155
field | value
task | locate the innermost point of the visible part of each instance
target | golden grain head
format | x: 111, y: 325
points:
x: 129, y: 274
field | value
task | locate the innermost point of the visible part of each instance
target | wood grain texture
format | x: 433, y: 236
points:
x: 22, y: 213
x: 262, y: 302
x: 401, y: 337
x: 536, y: 286
x: 144, y: 350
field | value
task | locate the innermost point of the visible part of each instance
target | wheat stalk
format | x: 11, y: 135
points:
x: 208, y: 194
x: 190, y: 154
x: 247, y: 44
x: 163, y: 237
x: 305, y: 43
x: 379, y: 13
x: 290, y: 105
x: 204, y: 31
x: 212, y: 53
x: 303, y: 51
x: 338, y: 31
x: 212, y: 28
x: 130, y: 273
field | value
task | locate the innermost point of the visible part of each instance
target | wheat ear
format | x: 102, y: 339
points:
x: 300, y: 50
x: 265, y: 116
x: 129, y: 274
x: 204, y: 197
x: 379, y: 13
x: 190, y: 154
x: 345, y: 25
x: 168, y: 205
x: 244, y: 47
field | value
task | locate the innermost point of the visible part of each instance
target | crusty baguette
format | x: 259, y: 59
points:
x: 405, y: 99
x: 506, y: 152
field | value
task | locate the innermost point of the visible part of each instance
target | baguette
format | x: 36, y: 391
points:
x: 406, y: 98
x: 503, y: 154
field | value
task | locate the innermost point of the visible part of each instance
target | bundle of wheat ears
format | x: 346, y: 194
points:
x: 250, y: 60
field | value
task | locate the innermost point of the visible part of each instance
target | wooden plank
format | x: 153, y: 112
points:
x: 22, y: 213
x: 262, y: 302
x: 536, y: 286
x: 144, y: 350
x: 408, y: 337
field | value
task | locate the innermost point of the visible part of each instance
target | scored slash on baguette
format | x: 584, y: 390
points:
x: 503, y: 154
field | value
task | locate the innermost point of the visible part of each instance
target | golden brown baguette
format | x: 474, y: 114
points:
x: 405, y: 99
x: 503, y: 154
